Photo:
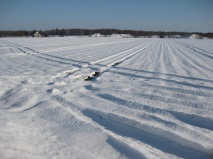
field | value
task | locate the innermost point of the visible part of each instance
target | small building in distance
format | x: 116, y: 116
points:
x: 37, y: 34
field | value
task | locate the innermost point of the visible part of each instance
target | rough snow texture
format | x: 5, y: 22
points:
x: 152, y: 98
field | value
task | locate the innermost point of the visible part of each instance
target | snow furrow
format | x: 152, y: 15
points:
x: 81, y: 97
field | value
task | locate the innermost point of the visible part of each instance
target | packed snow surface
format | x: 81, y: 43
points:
x: 142, y: 98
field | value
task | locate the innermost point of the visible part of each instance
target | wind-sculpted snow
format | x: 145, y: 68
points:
x: 81, y: 97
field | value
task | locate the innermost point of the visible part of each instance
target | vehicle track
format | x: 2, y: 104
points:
x: 153, y: 100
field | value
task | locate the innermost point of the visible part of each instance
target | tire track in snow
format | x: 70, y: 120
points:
x: 77, y: 112
x: 87, y: 45
x: 199, y: 63
x: 143, y: 128
x: 140, y: 144
x: 37, y: 54
x: 79, y: 67
x: 165, y: 80
x: 121, y: 113
x: 200, y: 51
x: 165, y: 88
x: 91, y: 113
x: 141, y: 99
x: 125, y: 55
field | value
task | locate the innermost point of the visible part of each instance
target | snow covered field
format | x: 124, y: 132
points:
x: 152, y: 98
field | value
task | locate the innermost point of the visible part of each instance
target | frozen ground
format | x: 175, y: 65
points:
x: 152, y: 98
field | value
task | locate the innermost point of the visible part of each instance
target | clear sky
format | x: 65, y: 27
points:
x: 165, y: 15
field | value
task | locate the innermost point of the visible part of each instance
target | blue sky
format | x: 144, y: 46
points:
x: 165, y: 15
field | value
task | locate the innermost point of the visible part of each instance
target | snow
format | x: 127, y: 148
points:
x: 177, y: 36
x: 122, y: 35
x: 195, y: 36
x: 97, y: 35
x: 148, y: 98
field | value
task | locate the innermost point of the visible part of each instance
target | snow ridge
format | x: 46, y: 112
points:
x: 146, y: 98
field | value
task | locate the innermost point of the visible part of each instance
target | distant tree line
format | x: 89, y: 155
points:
x: 14, y: 33
x: 88, y: 32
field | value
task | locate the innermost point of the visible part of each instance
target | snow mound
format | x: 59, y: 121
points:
x: 122, y: 35
x: 195, y: 36
x: 55, y: 91
x: 97, y: 35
